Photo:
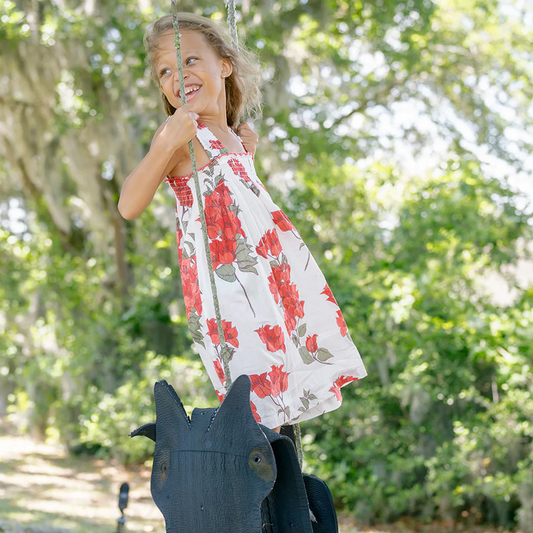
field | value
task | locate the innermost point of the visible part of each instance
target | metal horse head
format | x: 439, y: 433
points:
x: 222, y: 472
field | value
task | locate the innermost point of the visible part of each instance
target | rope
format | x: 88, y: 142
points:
x: 224, y: 351
x: 232, y: 22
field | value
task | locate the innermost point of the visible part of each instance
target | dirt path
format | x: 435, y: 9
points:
x: 41, y: 488
x: 43, y: 491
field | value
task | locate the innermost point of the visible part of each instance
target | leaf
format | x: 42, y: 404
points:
x: 273, y: 264
x: 227, y: 352
x: 323, y: 354
x: 250, y: 261
x: 305, y: 355
x: 312, y: 397
x: 302, y: 329
x: 192, y: 250
x: 250, y: 268
x: 295, y: 340
x: 195, y: 327
x: 305, y: 402
x: 226, y: 272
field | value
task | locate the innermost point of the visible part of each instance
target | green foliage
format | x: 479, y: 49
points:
x: 442, y: 425
x: 442, y: 422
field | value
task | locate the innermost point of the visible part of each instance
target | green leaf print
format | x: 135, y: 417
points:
x: 226, y: 272
x: 227, y: 353
x: 247, y: 268
x: 195, y: 327
x: 245, y: 260
x: 305, y: 402
x: 302, y: 329
x: 323, y: 354
x: 307, y: 358
x: 191, y: 247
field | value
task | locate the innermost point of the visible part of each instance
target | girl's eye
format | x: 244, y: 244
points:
x: 164, y: 71
x: 187, y: 62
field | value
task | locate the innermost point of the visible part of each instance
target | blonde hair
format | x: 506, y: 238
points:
x: 243, y: 86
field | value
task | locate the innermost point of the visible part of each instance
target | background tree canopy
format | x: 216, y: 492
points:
x: 394, y: 135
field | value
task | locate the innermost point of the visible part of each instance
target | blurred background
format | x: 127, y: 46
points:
x: 397, y: 136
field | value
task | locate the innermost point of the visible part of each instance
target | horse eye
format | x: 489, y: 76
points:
x: 259, y: 463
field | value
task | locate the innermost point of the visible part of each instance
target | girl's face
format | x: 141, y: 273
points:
x: 202, y: 68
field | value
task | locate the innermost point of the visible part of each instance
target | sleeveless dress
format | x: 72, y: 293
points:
x: 281, y: 322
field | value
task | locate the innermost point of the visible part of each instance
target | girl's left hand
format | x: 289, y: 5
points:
x: 248, y: 136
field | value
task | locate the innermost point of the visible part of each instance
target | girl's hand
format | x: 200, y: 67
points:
x: 248, y: 136
x: 178, y: 129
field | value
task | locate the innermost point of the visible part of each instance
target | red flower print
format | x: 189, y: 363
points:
x: 191, y: 289
x: 273, y: 288
x: 200, y: 125
x: 223, y: 252
x: 213, y: 222
x: 311, y: 344
x: 278, y: 281
x: 281, y: 220
x: 274, y: 244
x: 339, y: 382
x: 179, y: 236
x: 230, y: 333
x: 216, y: 208
x: 220, y: 396
x: 215, y: 144
x: 329, y: 294
x: 269, y: 243
x: 341, y: 323
x: 279, y: 380
x: 230, y: 224
x: 292, y: 306
x: 238, y: 169
x: 272, y: 337
x: 262, y: 248
x: 260, y: 385
x: 254, y: 412
x: 220, y: 372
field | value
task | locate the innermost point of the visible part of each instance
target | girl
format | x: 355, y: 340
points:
x: 281, y: 323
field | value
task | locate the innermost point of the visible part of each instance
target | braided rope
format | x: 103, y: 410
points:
x: 232, y: 23
x: 224, y: 351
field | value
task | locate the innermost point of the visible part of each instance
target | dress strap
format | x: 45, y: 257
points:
x: 211, y: 144
x: 240, y: 141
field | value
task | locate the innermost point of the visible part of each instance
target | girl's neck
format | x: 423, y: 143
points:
x: 216, y: 123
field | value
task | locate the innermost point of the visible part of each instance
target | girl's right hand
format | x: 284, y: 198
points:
x: 178, y: 129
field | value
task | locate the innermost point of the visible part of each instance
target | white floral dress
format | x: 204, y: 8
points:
x: 281, y: 323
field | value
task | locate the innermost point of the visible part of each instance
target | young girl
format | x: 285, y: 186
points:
x: 281, y: 322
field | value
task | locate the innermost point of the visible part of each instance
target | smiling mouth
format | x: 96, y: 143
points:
x: 190, y: 95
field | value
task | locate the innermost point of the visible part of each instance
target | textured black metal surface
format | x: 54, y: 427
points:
x: 222, y: 472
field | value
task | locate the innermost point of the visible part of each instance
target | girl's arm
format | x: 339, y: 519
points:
x: 140, y: 186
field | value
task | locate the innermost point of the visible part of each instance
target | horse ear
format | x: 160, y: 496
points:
x: 172, y: 419
x: 148, y: 430
x: 237, y: 402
